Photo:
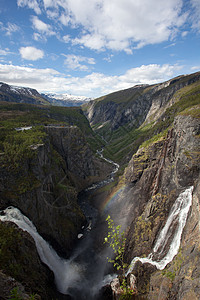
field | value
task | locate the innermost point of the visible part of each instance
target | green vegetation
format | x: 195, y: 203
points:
x: 10, y: 241
x: 124, y: 141
x: 14, y: 115
x: 18, y: 145
x: 116, y: 241
x: 15, y: 294
x: 174, y: 269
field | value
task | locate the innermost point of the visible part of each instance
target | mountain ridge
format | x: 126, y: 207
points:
x: 153, y: 131
x: 20, y: 94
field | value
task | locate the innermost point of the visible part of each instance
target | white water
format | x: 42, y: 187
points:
x: 104, y: 182
x: 178, y: 214
x: 69, y: 274
x: 66, y: 272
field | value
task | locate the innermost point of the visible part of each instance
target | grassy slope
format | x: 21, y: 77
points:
x: 124, y: 142
x: 14, y: 115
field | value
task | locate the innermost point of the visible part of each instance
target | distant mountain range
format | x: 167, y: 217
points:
x: 65, y: 99
x: 18, y: 94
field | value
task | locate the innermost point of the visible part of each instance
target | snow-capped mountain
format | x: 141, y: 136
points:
x: 66, y: 99
x: 18, y: 94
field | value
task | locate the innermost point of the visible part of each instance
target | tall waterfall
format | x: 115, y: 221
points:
x: 69, y: 274
x: 66, y: 272
x: 178, y: 217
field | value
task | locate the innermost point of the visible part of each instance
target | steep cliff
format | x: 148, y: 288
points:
x: 44, y: 167
x: 47, y: 184
x: 22, y: 273
x: 166, y: 163
x: 155, y: 176
x: 127, y: 118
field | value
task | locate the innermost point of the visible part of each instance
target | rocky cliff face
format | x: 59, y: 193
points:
x: 154, y: 178
x: 135, y: 105
x: 162, y: 122
x: 22, y: 273
x: 46, y: 185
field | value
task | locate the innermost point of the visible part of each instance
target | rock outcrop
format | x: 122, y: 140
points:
x: 45, y: 186
x: 133, y: 106
x: 155, y: 177
x: 22, y: 273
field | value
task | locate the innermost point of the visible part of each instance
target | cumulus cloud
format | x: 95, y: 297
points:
x: 195, y: 68
x: 74, y: 62
x: 33, y: 4
x: 121, y: 25
x: 93, y: 85
x: 116, y: 24
x: 31, y: 53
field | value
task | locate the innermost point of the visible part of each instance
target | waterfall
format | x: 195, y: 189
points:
x: 178, y: 216
x: 77, y: 276
x: 67, y: 273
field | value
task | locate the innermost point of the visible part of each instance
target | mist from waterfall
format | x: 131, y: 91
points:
x: 73, y: 276
x: 66, y: 272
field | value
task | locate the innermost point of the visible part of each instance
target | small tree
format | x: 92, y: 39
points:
x: 116, y: 240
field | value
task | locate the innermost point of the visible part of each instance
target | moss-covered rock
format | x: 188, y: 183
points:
x: 19, y: 259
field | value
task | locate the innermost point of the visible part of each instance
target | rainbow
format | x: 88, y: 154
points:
x: 112, y: 198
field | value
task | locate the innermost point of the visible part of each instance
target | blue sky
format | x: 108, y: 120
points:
x: 94, y: 47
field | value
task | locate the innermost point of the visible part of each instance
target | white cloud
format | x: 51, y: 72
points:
x: 32, y: 4
x: 5, y: 52
x: 121, y: 25
x: 66, y: 38
x: 74, y: 62
x: 195, y: 68
x: 31, y: 53
x: 93, y: 85
x: 42, y: 27
x: 196, y: 14
x: 9, y: 28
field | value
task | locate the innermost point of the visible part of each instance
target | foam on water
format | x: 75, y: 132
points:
x: 178, y: 214
x: 67, y: 273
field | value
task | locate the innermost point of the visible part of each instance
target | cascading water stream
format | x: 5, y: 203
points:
x: 178, y: 217
x: 78, y: 276
x: 66, y: 272
x: 110, y: 179
x: 74, y: 276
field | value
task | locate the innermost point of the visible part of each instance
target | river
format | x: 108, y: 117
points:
x: 83, y: 275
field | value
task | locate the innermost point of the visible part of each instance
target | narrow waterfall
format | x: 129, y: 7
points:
x: 66, y: 272
x: 178, y: 216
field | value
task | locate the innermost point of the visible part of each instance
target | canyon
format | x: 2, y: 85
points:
x: 132, y: 155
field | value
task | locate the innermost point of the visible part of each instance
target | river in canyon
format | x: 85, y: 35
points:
x: 82, y: 276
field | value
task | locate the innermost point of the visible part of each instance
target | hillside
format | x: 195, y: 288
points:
x: 18, y: 94
x: 126, y: 118
x: 49, y: 169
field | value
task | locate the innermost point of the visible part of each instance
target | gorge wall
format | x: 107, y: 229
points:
x: 47, y: 185
x: 162, y: 167
x: 153, y: 131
